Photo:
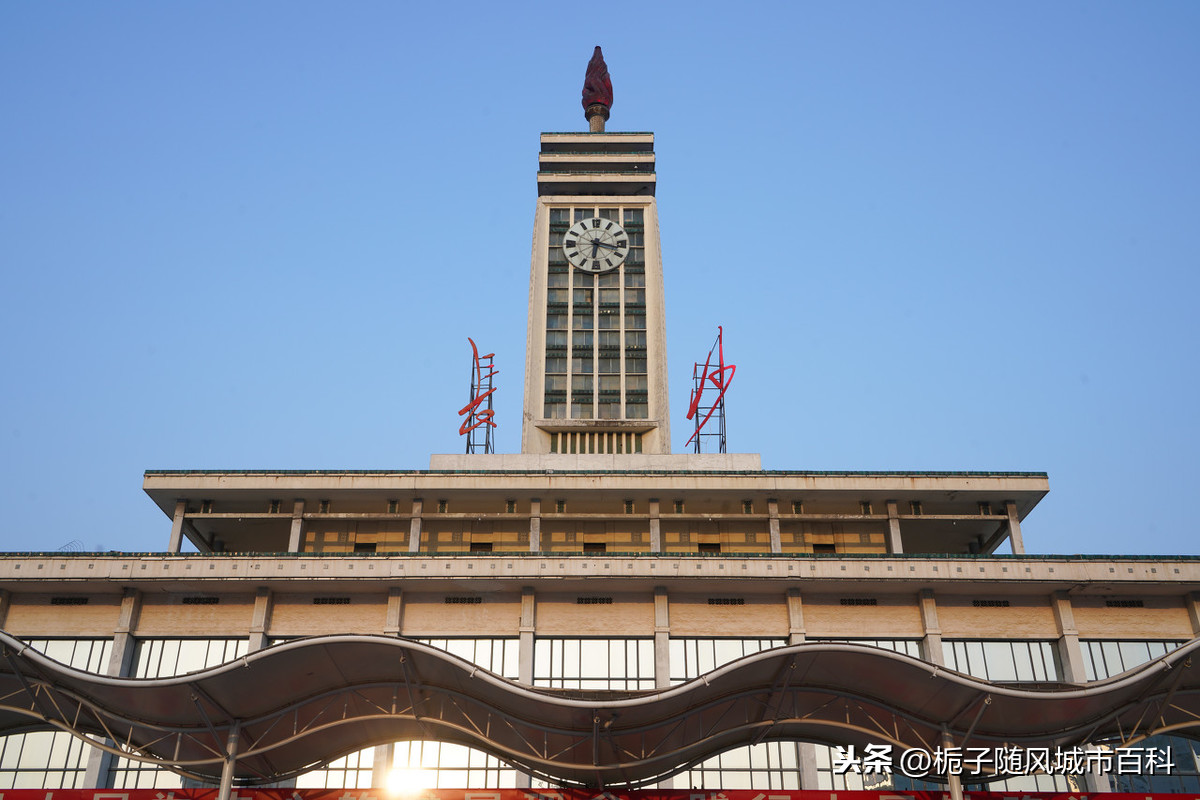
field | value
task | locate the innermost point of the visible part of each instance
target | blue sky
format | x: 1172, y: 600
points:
x: 939, y: 236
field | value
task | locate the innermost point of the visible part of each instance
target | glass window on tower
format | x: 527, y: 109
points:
x: 633, y: 216
x: 584, y: 213
x: 610, y: 339
x: 635, y: 278
x: 560, y: 216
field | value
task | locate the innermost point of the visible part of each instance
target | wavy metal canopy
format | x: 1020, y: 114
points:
x: 300, y: 704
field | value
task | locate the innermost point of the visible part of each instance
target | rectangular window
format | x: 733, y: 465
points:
x: 635, y: 366
x: 582, y: 322
x: 1004, y: 661
x: 569, y: 663
x: 635, y: 338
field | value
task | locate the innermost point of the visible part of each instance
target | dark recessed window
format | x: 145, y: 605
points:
x: 323, y: 507
x: 364, y: 547
x: 273, y: 507
x: 560, y: 506
x: 824, y: 548
x: 865, y: 507
x: 709, y: 547
x: 678, y: 506
x: 442, y: 506
x: 481, y: 547
x: 747, y: 507
x: 914, y: 508
x: 510, y: 506
x: 594, y: 547
x: 393, y: 506
x: 797, y: 507
x: 985, y: 509
x: 628, y: 506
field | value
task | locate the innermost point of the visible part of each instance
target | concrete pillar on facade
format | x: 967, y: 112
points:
x: 414, y: 528
x: 260, y: 622
x: 393, y: 622
x: 525, y: 645
x: 795, y: 605
x: 1014, y: 528
x: 535, y: 525
x: 120, y: 661
x: 296, y: 536
x: 931, y: 641
x: 662, y: 638
x: 1192, y: 601
x: 807, y: 751
x: 525, y: 633
x: 655, y: 527
x: 773, y: 525
x: 1070, y: 653
x: 895, y: 543
x: 5, y: 602
x: 176, y: 543
x: 381, y: 764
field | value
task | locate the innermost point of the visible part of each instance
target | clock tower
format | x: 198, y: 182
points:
x: 596, y: 358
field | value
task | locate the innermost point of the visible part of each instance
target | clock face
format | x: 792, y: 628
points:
x: 596, y: 245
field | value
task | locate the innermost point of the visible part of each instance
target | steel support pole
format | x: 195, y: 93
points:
x: 231, y: 749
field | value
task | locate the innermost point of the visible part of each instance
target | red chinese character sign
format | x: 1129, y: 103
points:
x: 477, y: 426
x: 710, y: 382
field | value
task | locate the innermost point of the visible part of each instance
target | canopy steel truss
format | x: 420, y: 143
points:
x: 298, y: 705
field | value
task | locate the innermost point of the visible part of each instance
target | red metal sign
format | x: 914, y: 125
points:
x: 717, y: 377
x: 475, y: 416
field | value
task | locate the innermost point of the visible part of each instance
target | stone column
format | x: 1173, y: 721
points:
x: 414, y: 528
x: 895, y: 544
x: 526, y: 632
x: 119, y: 661
x: 525, y: 654
x: 1014, y: 528
x: 260, y: 622
x: 392, y: 624
x: 655, y: 527
x: 662, y: 638
x: 931, y: 642
x: 5, y: 602
x: 795, y: 606
x: 1069, y: 651
x: 535, y: 525
x: 1192, y: 601
x: 296, y: 537
x: 807, y: 751
x: 176, y: 543
x: 773, y: 523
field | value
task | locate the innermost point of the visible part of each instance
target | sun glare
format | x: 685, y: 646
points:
x: 408, y: 780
